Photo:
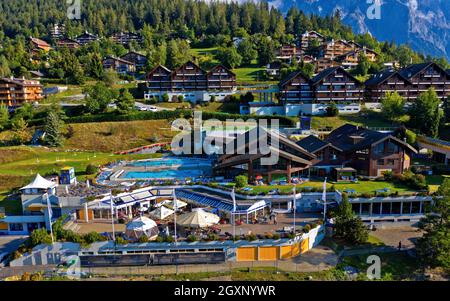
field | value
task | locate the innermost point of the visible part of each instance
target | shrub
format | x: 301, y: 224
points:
x: 143, y: 239
x: 159, y: 239
x: 92, y: 237
x: 169, y: 239
x: 241, y: 181
x: 191, y: 238
x: 91, y: 169
x: 276, y: 236
x: 332, y: 110
x: 251, y: 237
x: 121, y: 241
x: 40, y: 236
x: 307, y: 228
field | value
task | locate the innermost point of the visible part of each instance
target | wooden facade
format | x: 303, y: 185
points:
x: 17, y: 91
x: 296, y: 88
x: 408, y: 82
x: 119, y: 65
x: 190, y: 77
x: 139, y: 60
x: 308, y: 37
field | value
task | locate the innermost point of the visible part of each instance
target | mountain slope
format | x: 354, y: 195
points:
x: 423, y: 24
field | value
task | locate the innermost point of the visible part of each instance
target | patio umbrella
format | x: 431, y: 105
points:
x: 141, y: 226
x: 180, y: 204
x: 259, y: 177
x: 197, y: 219
x: 161, y: 213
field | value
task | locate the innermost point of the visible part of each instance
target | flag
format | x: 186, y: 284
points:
x: 294, y: 190
x: 175, y: 201
x: 49, y: 207
x: 233, y: 197
x: 324, y: 193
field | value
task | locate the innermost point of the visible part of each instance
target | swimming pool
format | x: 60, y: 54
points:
x: 167, y: 169
x: 191, y: 162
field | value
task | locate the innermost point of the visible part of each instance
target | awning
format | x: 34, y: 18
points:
x: 40, y: 183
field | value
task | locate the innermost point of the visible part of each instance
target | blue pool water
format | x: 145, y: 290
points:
x: 162, y: 174
x: 168, y: 168
x: 170, y: 162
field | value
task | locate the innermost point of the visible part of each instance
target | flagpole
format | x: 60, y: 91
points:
x: 175, y: 207
x: 49, y: 211
x: 112, y: 216
x: 295, y: 206
x: 324, y: 198
x: 233, y: 196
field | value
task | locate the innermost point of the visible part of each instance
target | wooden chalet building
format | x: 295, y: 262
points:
x: 190, y: 81
x: 336, y: 85
x: 292, y: 159
x: 17, y: 91
x: 387, y: 81
x: 327, y: 155
x: 408, y: 82
x: 86, y: 38
x: 119, y: 65
x: 296, y: 88
x: 69, y: 43
x: 333, y: 49
x: 125, y: 38
x: 308, y: 37
x: 289, y: 52
x: 138, y: 59
x: 369, y: 152
x: 39, y: 45
x: 350, y: 59
x: 424, y: 76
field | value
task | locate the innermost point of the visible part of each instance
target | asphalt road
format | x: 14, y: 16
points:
x: 9, y: 244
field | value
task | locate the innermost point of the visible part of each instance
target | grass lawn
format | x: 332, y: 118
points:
x: 435, y: 181
x: 374, y: 120
x: 174, y: 105
x: 394, y: 266
x: 361, y: 187
x: 117, y: 136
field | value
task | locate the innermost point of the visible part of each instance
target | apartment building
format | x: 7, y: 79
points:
x: 17, y: 91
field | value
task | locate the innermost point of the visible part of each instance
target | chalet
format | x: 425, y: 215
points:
x: 17, y: 91
x: 221, y: 79
x: 324, y: 63
x: 58, y: 31
x: 138, y: 59
x: 369, y: 152
x: 292, y: 159
x: 424, y: 76
x: 69, y: 43
x: 125, y: 38
x: 288, y: 52
x: 351, y: 59
x: 119, y: 65
x: 191, y: 82
x: 308, y: 37
x: 39, y: 45
x: 336, y: 85
x: 327, y: 155
x: 86, y: 38
x: 333, y: 49
x: 308, y: 59
x: 387, y: 81
x: 273, y: 69
x: 296, y: 88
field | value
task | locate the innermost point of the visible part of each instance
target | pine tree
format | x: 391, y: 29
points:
x: 4, y: 116
x: 349, y: 226
x: 53, y: 129
x: 125, y: 101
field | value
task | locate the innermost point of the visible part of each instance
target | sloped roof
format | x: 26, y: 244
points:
x: 322, y: 75
x: 342, y: 138
x: 293, y: 75
x: 412, y: 70
x: 40, y: 42
x: 381, y: 77
x: 40, y: 183
x: 220, y: 66
x: 312, y: 143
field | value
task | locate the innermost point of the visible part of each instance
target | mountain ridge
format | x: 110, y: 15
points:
x: 423, y: 24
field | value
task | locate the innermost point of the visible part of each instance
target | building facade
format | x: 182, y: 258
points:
x: 17, y: 91
x: 191, y: 82
x: 119, y: 65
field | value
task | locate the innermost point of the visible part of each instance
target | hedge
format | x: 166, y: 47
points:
x: 160, y: 115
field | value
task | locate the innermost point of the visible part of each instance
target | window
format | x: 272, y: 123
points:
x: 380, y: 162
x: 391, y: 162
x: 392, y: 147
x: 16, y: 227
